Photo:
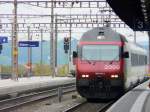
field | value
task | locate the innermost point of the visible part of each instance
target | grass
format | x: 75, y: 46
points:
x: 37, y: 70
x: 63, y: 70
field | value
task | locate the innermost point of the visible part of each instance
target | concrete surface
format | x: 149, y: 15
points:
x: 136, y: 100
x: 9, y: 86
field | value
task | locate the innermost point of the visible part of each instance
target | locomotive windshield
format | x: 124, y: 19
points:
x: 100, y: 52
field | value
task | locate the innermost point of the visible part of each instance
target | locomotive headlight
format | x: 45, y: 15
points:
x: 85, y: 76
x: 114, y: 76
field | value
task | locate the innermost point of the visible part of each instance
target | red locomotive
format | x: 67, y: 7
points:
x: 107, y: 64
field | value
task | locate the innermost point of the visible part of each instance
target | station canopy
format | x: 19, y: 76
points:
x: 135, y: 13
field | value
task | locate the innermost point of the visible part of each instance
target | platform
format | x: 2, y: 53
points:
x: 136, y: 100
x: 10, y: 87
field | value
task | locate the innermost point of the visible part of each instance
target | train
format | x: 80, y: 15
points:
x: 108, y: 64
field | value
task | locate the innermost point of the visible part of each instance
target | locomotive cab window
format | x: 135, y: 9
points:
x: 100, y: 52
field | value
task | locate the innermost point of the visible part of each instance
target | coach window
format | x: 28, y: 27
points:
x: 141, y: 61
x: 132, y: 59
x: 145, y: 60
x: 135, y: 59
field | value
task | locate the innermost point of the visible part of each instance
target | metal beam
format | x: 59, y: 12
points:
x: 37, y: 31
x: 63, y: 3
x: 87, y: 24
x: 78, y: 16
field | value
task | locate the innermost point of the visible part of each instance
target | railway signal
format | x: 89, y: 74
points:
x: 66, y: 44
x: 1, y: 47
x: 3, y: 39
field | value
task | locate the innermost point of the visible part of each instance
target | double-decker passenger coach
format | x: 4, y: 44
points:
x: 107, y: 64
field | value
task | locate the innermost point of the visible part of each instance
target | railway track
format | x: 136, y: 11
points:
x: 13, y: 103
x: 89, y: 107
x: 105, y: 107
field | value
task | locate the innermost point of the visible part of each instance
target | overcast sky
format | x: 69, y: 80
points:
x: 27, y: 9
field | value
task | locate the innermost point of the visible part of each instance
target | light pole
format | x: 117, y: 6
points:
x: 70, y: 34
x: 56, y: 32
x: 15, y: 46
x: 41, y: 60
x: 52, y: 42
x: 12, y: 46
x: 29, y: 54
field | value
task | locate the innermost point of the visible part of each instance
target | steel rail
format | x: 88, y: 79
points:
x: 105, y: 107
x: 74, y: 107
x: 79, y: 105
x: 13, y: 103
